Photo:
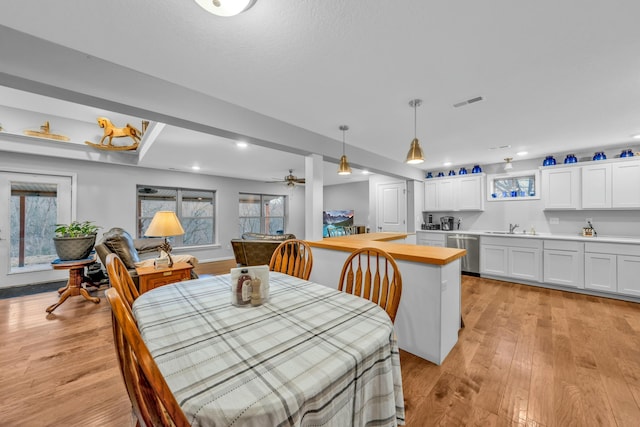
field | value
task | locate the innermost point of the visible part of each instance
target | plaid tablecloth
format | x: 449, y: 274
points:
x: 311, y: 356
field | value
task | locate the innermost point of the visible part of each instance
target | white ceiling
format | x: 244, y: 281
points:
x: 556, y: 77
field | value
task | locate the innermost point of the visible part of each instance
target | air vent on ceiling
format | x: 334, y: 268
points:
x: 468, y: 101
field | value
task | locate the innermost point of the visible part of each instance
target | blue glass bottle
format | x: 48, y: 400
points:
x: 571, y: 158
x: 452, y: 172
x: 626, y: 153
x: 549, y: 161
x: 599, y: 156
x: 463, y: 171
x: 429, y: 175
x: 476, y: 169
x: 440, y: 174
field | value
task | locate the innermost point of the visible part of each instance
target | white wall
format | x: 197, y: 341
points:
x: 106, y: 194
x: 354, y: 195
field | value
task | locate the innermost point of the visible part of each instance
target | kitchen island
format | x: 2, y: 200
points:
x: 428, y: 317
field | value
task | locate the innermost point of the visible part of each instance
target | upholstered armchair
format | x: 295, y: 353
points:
x: 256, y: 248
x: 135, y: 252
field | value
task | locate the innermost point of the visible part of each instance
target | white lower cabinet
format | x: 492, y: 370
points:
x: 629, y: 275
x: 600, y: 272
x: 564, y: 263
x: 493, y: 260
x: 592, y: 265
x: 524, y: 263
x: 516, y: 258
x: 426, y: 238
x: 612, y: 267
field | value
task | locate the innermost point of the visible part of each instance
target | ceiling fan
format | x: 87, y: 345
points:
x: 291, y: 180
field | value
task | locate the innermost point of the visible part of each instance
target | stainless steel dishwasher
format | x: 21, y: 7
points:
x: 470, y: 263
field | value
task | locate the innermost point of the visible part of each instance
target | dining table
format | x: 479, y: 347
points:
x: 308, y: 356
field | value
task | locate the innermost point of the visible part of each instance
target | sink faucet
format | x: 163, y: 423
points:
x: 512, y: 228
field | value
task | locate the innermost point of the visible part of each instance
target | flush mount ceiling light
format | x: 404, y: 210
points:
x: 225, y: 7
x: 508, y: 165
x: 344, y: 168
x: 415, y: 154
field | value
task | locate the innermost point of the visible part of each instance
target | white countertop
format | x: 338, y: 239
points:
x: 549, y: 236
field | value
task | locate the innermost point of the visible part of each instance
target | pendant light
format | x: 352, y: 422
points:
x: 415, y: 155
x: 508, y: 165
x: 225, y: 7
x: 344, y: 168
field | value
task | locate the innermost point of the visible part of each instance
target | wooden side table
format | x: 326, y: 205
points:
x: 150, y: 278
x: 76, y: 280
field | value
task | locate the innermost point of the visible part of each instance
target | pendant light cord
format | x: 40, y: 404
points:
x: 415, y: 120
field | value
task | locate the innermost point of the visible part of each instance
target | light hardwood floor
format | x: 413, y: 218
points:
x: 527, y: 356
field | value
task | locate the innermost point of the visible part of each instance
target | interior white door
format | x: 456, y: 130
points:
x: 392, y: 207
x: 30, y: 206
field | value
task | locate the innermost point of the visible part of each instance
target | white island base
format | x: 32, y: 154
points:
x: 428, y: 318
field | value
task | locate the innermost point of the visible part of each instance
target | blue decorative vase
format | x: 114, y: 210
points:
x: 463, y: 171
x: 549, y: 161
x: 626, y: 153
x: 599, y: 156
x: 429, y: 175
x: 571, y: 158
x: 452, y: 173
x: 476, y: 169
x: 440, y: 174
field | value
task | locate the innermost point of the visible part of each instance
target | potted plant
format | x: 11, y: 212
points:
x: 75, y: 240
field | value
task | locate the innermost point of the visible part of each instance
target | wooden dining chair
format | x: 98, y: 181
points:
x: 292, y: 257
x: 153, y: 403
x: 373, y: 274
x: 121, y: 280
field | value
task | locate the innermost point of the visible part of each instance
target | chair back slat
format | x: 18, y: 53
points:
x: 376, y: 286
x: 381, y: 281
x: 150, y: 396
x: 121, y: 280
x: 293, y: 257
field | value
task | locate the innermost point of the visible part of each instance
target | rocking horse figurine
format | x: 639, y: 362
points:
x: 110, y: 131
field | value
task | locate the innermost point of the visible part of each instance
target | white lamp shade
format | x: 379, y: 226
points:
x: 163, y: 224
x: 225, y: 7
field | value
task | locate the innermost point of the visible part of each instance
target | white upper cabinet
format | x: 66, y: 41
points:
x: 625, y: 177
x: 461, y: 193
x: 470, y: 193
x: 561, y: 188
x: 602, y: 184
x: 596, y: 186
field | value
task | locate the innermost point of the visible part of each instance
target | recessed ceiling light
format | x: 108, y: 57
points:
x: 447, y: 164
x: 522, y: 153
x: 241, y: 144
x: 365, y: 172
x: 636, y: 136
x: 195, y: 168
x: 500, y: 147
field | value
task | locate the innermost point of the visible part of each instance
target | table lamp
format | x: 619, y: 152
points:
x: 164, y: 224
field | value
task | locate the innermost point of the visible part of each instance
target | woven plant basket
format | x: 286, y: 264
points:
x: 72, y: 248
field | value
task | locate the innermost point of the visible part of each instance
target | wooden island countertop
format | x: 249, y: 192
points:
x: 384, y: 241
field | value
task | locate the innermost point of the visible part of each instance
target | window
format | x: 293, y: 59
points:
x: 195, y: 210
x: 514, y: 186
x: 262, y: 213
x: 36, y: 203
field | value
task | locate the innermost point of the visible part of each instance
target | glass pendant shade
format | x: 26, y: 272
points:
x: 225, y: 7
x: 415, y: 154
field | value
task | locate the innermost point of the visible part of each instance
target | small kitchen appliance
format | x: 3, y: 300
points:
x: 446, y: 222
